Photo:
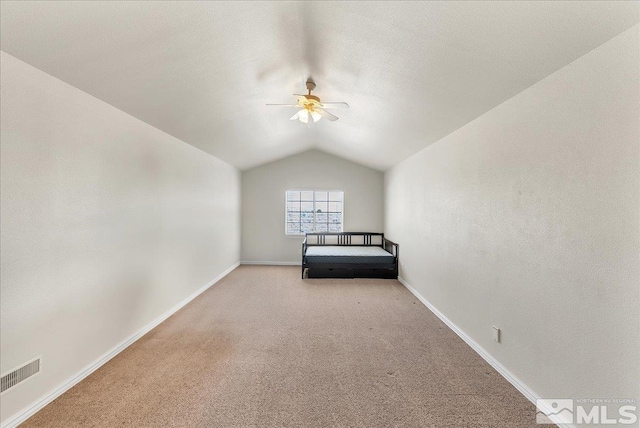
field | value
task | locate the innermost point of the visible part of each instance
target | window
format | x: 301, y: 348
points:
x: 313, y: 211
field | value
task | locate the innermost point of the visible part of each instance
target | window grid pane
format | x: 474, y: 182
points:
x: 313, y: 211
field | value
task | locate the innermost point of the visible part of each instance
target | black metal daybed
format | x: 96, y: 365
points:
x: 349, y: 255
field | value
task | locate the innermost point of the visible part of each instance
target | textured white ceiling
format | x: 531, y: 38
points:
x: 203, y: 71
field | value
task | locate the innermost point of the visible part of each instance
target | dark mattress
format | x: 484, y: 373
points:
x: 329, y: 254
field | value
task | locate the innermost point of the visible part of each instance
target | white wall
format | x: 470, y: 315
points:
x: 106, y: 223
x: 527, y: 219
x: 263, y: 204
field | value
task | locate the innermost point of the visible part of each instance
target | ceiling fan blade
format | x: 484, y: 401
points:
x: 284, y: 105
x: 335, y: 105
x: 328, y: 115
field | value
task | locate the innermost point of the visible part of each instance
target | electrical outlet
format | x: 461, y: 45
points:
x: 496, y: 334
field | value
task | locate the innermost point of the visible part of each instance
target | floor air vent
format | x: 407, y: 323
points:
x: 13, y: 378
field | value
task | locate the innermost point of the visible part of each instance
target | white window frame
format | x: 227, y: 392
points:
x: 296, y: 235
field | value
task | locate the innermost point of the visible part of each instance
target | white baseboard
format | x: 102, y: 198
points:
x: 510, y: 377
x: 26, y: 413
x: 266, y: 263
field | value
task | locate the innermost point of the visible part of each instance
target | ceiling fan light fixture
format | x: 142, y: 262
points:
x: 315, y: 115
x: 302, y: 116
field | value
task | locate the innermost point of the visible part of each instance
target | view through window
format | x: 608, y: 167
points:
x: 313, y: 211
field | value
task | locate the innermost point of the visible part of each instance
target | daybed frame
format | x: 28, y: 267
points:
x: 350, y: 270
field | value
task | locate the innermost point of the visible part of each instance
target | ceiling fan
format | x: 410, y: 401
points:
x: 311, y: 108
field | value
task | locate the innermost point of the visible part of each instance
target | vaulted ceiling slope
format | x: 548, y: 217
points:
x: 412, y: 72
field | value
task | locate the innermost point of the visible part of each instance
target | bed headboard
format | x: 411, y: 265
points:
x: 366, y: 239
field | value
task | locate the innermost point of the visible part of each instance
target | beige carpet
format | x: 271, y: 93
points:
x: 264, y: 348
